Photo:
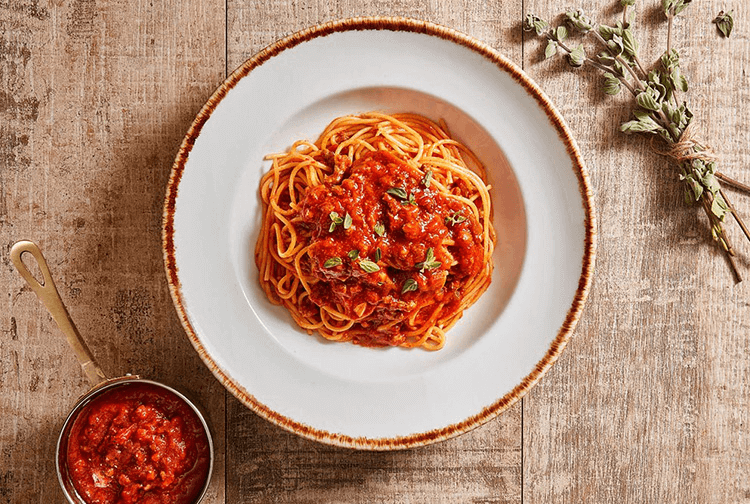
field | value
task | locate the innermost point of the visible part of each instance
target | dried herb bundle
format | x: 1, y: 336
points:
x: 659, y: 109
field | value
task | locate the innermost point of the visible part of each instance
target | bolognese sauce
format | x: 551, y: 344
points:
x: 401, y: 244
x: 378, y: 233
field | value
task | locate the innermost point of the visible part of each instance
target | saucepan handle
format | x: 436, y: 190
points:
x: 48, y: 295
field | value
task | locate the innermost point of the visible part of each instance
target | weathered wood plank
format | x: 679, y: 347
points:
x: 95, y: 98
x: 254, y: 25
x: 650, y: 401
x: 266, y: 464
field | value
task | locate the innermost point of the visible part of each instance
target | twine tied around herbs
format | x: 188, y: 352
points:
x: 688, y: 148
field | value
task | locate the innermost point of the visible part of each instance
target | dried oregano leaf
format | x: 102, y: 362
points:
x: 409, y: 285
x: 611, y: 84
x: 551, y: 49
x: 725, y: 23
x: 577, y: 56
x: 535, y: 24
x: 332, y: 262
x: 368, y: 266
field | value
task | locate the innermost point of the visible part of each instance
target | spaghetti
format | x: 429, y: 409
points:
x: 378, y: 233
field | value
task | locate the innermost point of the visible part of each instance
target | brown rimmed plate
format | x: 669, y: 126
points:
x: 342, y: 394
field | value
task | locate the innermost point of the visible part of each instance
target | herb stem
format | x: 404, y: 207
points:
x: 735, y: 215
x: 728, y: 252
x: 595, y: 64
x: 733, y: 183
x: 619, y: 59
x: 708, y: 200
x: 627, y: 85
x: 598, y: 65
x: 735, y: 270
x: 670, y: 17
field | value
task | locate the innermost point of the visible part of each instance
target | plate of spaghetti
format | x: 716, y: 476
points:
x: 384, y: 257
x: 379, y: 233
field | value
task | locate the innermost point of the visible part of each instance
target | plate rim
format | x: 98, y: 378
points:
x: 384, y: 23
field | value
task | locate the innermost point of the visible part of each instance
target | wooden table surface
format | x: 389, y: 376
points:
x: 649, y: 403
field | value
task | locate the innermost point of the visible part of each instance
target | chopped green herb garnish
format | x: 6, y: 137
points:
x: 379, y: 229
x: 406, y: 198
x: 332, y: 262
x: 409, y: 285
x: 335, y: 220
x: 397, y: 192
x: 347, y: 221
x: 368, y: 266
x: 378, y: 254
x: 429, y: 261
x: 410, y: 200
x: 427, y: 178
x: 454, y: 218
x: 353, y: 254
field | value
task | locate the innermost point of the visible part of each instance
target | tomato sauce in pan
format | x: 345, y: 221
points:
x: 138, y: 443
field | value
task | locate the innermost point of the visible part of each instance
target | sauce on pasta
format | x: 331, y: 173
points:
x: 379, y: 233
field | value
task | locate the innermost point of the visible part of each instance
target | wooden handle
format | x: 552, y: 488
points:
x: 48, y: 295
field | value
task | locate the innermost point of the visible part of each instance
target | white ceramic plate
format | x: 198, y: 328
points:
x: 339, y: 393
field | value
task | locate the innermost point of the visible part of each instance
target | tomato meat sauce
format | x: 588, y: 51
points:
x: 138, y: 443
x: 383, y: 242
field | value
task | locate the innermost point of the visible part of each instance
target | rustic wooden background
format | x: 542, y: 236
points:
x: 650, y: 403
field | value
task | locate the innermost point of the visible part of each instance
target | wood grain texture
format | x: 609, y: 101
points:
x: 95, y: 97
x: 253, y: 25
x: 266, y: 464
x: 650, y: 402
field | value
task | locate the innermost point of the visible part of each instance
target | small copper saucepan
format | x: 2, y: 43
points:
x: 102, y: 386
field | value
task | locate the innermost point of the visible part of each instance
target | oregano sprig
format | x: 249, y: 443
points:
x: 429, y: 262
x: 658, y: 109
